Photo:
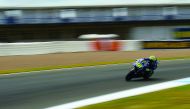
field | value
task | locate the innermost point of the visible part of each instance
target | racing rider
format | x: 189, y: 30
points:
x: 147, y: 64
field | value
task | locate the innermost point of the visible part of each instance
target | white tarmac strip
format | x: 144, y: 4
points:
x: 124, y: 94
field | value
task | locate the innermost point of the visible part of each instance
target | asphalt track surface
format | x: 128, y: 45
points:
x: 49, y: 88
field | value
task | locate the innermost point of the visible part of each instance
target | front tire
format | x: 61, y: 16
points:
x: 129, y: 76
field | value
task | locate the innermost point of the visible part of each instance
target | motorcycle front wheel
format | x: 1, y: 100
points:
x: 129, y: 76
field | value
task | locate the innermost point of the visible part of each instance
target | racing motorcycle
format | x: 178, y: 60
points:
x: 146, y: 74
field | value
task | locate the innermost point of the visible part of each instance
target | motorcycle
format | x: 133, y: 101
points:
x: 146, y: 74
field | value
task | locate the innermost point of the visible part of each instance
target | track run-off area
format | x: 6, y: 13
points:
x: 43, y: 89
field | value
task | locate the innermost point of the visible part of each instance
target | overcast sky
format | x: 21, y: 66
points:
x: 38, y: 3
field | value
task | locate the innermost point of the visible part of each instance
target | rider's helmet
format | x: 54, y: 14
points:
x: 152, y: 58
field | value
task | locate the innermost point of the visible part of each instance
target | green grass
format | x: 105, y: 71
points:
x: 77, y: 65
x: 175, y: 98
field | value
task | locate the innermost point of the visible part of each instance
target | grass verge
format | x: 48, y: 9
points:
x: 174, y: 98
x: 77, y: 65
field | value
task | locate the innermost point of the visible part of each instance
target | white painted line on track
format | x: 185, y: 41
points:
x: 87, y: 67
x: 123, y: 94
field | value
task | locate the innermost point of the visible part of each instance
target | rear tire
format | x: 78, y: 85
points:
x: 147, y: 75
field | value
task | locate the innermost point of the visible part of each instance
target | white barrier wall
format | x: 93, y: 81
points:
x: 131, y: 45
x: 8, y: 49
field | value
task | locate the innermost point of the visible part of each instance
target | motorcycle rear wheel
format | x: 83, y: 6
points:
x: 147, y: 75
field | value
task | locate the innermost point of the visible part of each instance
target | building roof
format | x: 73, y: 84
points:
x: 86, y: 3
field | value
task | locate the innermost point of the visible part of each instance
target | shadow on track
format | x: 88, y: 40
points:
x: 143, y: 80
